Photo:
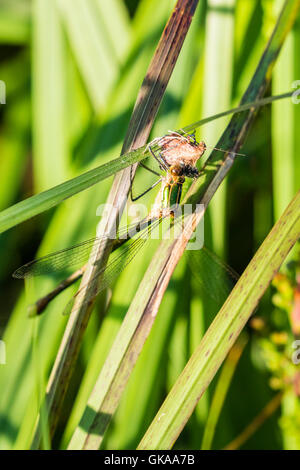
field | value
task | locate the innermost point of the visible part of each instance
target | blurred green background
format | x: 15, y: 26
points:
x: 72, y: 70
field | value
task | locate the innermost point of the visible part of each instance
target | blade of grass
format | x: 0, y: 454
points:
x: 238, y: 109
x: 154, y: 359
x: 126, y: 348
x: 39, y: 203
x: 106, y: 394
x: 116, y: 26
x: 50, y: 149
x: 296, y: 135
x: 34, y: 205
x: 91, y: 49
x: 255, y: 90
x: 216, y: 75
x: 18, y: 381
x: 123, y: 293
x: 223, y: 332
x: 140, y: 124
x: 218, y: 66
x: 258, y: 421
x: 12, y: 165
x: 283, y: 129
x: 221, y: 391
x: 15, y: 22
x: 110, y: 130
x: 252, y: 27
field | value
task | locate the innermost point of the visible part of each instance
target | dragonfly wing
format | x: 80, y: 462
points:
x: 74, y: 256
x: 122, y: 257
x: 214, y: 277
x: 108, y: 274
x: 57, y: 261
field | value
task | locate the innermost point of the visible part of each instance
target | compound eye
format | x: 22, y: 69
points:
x: 176, y: 170
x: 192, y: 138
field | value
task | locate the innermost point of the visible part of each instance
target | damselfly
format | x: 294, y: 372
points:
x: 176, y: 157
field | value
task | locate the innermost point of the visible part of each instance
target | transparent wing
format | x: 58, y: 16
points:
x: 218, y: 279
x: 74, y: 256
x: 124, y: 255
x: 214, y: 277
x: 106, y: 275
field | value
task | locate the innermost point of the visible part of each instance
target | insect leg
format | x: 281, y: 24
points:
x: 145, y: 192
x: 179, y: 194
x: 132, y: 178
x: 149, y: 169
x: 161, y: 161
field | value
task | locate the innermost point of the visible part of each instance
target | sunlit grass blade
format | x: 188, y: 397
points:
x: 34, y: 205
x: 50, y: 147
x: 238, y: 109
x: 252, y: 27
x: 148, y: 298
x: 144, y: 112
x: 218, y: 56
x: 117, y: 368
x: 116, y: 26
x: 221, y: 391
x: 14, y: 22
x: 110, y: 132
x: 39, y: 203
x: 223, y: 332
x: 13, y: 164
x: 283, y: 130
x: 127, y: 34
x: 93, y: 52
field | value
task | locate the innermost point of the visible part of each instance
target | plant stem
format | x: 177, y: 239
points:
x: 258, y: 421
x: 144, y: 112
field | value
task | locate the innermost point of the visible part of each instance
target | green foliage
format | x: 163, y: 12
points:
x: 72, y: 71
